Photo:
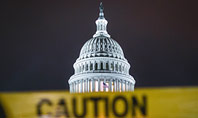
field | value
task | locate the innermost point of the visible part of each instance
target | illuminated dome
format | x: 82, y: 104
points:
x: 101, y: 46
x: 101, y: 65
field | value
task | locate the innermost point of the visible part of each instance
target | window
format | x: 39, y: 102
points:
x: 116, y: 67
x: 96, y: 66
x: 123, y: 68
x: 86, y: 67
x: 120, y: 68
x: 107, y: 66
x: 112, y: 66
x: 101, y: 66
x: 82, y: 68
x: 91, y: 66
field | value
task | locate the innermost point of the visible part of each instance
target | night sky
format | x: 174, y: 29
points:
x: 40, y: 40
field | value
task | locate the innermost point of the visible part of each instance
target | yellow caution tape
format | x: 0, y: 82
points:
x: 143, y: 103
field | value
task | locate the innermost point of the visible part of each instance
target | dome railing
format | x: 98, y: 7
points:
x: 102, y: 71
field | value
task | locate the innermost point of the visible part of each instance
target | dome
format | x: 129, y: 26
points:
x: 101, y: 65
x: 101, y: 46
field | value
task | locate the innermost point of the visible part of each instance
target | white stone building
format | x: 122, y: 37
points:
x: 101, y: 65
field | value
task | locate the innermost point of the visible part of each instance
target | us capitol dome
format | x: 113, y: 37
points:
x: 101, y: 66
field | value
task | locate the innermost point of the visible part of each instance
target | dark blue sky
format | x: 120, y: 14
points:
x: 40, y: 40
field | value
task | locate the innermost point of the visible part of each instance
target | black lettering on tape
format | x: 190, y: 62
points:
x: 115, y: 109
x: 95, y: 100
x: 142, y: 107
x: 63, y: 103
x: 42, y: 102
x: 106, y: 106
x: 75, y: 107
x: 2, y: 112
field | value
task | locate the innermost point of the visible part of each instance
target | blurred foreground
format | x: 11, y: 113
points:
x: 180, y: 102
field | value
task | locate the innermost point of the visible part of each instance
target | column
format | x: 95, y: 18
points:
x: 118, y: 85
x: 99, y: 65
x: 71, y: 87
x: 78, y: 85
x: 110, y: 85
x: 94, y: 64
x: 87, y: 85
x: 77, y: 88
x: 89, y: 64
x: 122, y: 86
x: 118, y: 67
x: 98, y: 85
x: 93, y: 85
x: 125, y: 69
x: 78, y: 68
x: 103, y: 86
x: 81, y: 87
x: 114, y: 81
x: 74, y: 87
x: 115, y: 85
x: 114, y: 64
x: 84, y: 87
x: 125, y: 85
x: 128, y: 86
x: 109, y: 63
x: 132, y: 87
